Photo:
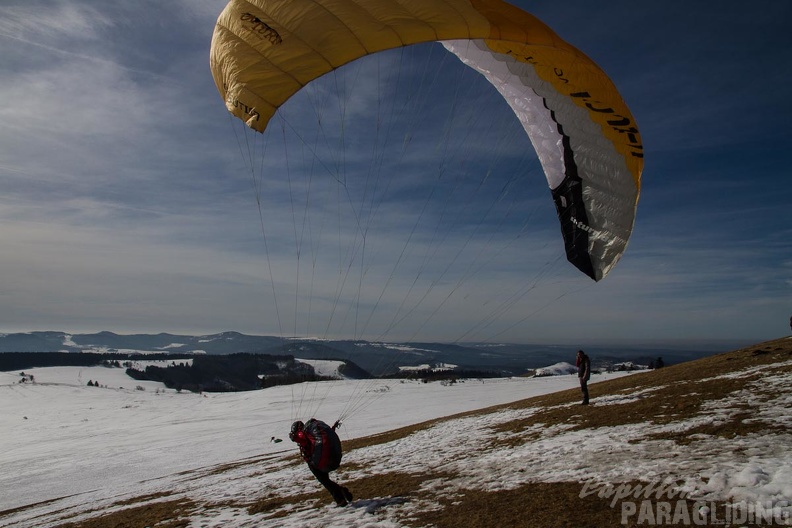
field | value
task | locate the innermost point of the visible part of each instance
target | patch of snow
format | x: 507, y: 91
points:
x: 438, y: 367
x: 629, y: 365
x: 324, y: 367
x: 94, y: 349
x: 402, y: 348
x: 163, y: 363
x: 559, y: 369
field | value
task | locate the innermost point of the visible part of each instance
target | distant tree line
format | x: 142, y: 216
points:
x: 229, y: 373
x: 351, y: 370
x: 429, y: 375
x: 206, y: 373
x: 27, y: 360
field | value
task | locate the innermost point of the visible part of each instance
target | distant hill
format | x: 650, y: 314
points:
x: 377, y: 358
x: 222, y: 343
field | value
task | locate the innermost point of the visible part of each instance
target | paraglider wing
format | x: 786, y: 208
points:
x: 264, y: 51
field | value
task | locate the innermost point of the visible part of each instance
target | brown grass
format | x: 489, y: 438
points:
x: 163, y: 514
x: 670, y: 394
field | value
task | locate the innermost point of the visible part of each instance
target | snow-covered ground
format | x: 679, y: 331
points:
x: 324, y: 367
x: 426, y: 366
x: 60, y: 437
x: 93, y: 447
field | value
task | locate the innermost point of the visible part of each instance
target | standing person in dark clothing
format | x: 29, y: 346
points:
x: 320, y: 447
x: 584, y: 374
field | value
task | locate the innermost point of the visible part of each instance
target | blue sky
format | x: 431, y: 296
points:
x: 127, y: 204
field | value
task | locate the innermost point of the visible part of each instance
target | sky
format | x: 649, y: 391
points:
x: 131, y: 202
x: 84, y: 450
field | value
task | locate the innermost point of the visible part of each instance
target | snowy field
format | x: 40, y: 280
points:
x: 60, y: 437
x: 91, y: 448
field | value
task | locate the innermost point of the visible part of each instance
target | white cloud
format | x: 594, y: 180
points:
x: 34, y: 21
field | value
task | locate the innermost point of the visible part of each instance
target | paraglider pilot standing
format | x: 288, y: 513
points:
x: 320, y: 447
x: 584, y: 374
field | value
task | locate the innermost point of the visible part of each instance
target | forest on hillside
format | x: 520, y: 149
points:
x: 235, y: 372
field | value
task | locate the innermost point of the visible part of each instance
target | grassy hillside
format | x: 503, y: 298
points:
x: 524, y: 464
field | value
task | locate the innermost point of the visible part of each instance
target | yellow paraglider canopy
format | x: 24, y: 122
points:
x: 264, y: 51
